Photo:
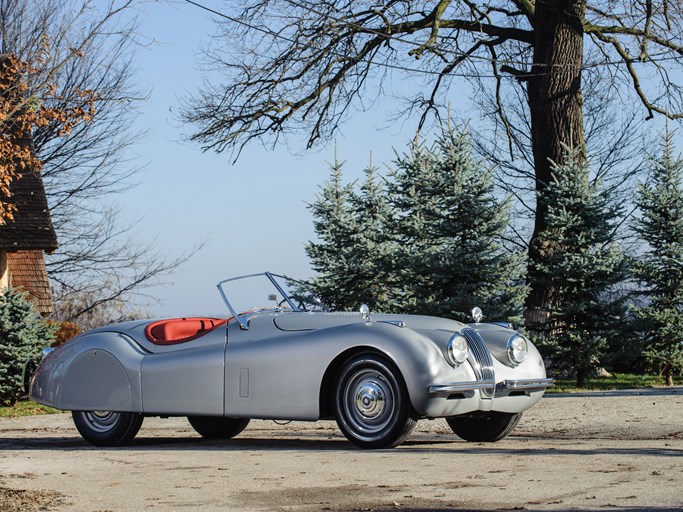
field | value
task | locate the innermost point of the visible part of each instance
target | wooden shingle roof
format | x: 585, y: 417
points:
x: 32, y: 225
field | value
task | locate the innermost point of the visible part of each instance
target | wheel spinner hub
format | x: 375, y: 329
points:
x: 370, y: 399
x: 102, y: 421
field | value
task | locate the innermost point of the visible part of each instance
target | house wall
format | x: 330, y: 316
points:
x: 27, y: 272
x: 4, y: 272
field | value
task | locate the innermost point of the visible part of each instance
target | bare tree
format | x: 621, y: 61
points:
x: 80, y: 45
x: 303, y: 66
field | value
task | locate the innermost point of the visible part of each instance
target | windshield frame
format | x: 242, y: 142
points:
x: 242, y: 318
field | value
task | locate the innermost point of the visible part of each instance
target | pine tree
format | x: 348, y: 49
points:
x: 586, y: 264
x: 660, y: 268
x: 472, y: 266
x: 409, y: 194
x: 453, y: 226
x: 23, y: 333
x: 429, y: 242
x: 372, y: 248
x: 332, y: 256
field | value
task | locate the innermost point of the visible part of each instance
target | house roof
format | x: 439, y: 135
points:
x: 32, y: 225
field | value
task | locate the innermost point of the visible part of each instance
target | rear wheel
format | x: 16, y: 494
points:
x: 371, y: 403
x: 484, y: 426
x: 107, y: 428
x: 218, y: 427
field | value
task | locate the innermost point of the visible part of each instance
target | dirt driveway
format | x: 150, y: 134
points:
x: 587, y: 453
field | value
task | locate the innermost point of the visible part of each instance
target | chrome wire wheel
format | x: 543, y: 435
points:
x: 371, y: 402
x: 107, y: 428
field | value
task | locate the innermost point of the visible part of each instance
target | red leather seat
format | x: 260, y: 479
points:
x: 181, y: 330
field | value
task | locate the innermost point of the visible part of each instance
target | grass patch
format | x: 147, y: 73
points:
x: 617, y: 381
x: 25, y: 408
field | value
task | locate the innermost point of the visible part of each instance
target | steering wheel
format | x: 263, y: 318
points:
x: 297, y: 300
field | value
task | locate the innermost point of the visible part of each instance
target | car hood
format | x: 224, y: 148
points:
x: 300, y: 321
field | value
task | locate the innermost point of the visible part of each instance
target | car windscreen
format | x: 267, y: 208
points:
x: 268, y: 291
x: 298, y: 294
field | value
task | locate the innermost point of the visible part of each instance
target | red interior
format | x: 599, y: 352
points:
x: 181, y: 330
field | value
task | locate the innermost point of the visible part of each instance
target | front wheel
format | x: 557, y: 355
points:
x: 107, y: 428
x: 371, y: 403
x: 218, y: 427
x: 484, y: 426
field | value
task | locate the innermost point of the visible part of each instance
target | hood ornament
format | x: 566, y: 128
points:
x: 365, y: 312
x: 477, y: 314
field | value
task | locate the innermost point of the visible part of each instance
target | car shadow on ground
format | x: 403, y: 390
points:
x: 508, y: 447
x: 142, y: 443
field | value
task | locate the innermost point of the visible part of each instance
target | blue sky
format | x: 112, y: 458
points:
x: 253, y: 213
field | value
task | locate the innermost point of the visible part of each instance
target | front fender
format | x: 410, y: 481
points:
x: 419, y: 356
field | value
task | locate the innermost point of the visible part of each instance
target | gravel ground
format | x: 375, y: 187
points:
x: 598, y: 452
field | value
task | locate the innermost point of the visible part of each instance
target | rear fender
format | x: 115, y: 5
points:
x: 99, y: 371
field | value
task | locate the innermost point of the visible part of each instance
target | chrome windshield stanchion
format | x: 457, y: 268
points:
x: 243, y: 325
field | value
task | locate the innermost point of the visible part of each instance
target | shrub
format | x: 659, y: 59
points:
x: 65, y: 331
x: 23, y: 333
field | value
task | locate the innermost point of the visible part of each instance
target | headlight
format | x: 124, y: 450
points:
x: 518, y: 348
x: 457, y: 349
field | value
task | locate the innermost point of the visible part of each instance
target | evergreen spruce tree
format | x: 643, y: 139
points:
x: 412, y: 205
x: 451, y: 227
x: 429, y: 242
x: 660, y: 269
x: 469, y: 264
x: 23, y: 333
x: 372, y: 247
x: 332, y: 256
x: 586, y: 264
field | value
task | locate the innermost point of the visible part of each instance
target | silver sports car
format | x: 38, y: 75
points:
x: 290, y: 359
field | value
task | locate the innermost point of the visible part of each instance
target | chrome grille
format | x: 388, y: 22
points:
x: 480, y: 359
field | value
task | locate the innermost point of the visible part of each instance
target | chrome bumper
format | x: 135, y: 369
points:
x: 501, y: 387
x: 526, y: 384
x: 457, y: 387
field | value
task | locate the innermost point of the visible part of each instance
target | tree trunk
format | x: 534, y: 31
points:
x: 555, y: 106
x: 581, y: 375
x: 670, y: 376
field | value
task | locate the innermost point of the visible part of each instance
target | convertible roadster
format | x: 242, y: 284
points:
x: 291, y: 359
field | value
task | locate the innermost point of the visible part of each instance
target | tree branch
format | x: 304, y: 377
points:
x: 628, y: 61
x: 590, y: 28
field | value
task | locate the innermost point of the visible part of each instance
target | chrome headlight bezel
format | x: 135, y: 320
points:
x: 457, y: 350
x: 517, y: 349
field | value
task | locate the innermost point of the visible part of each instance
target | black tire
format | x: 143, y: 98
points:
x: 218, y: 427
x: 484, y: 426
x: 371, y: 403
x: 107, y: 428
